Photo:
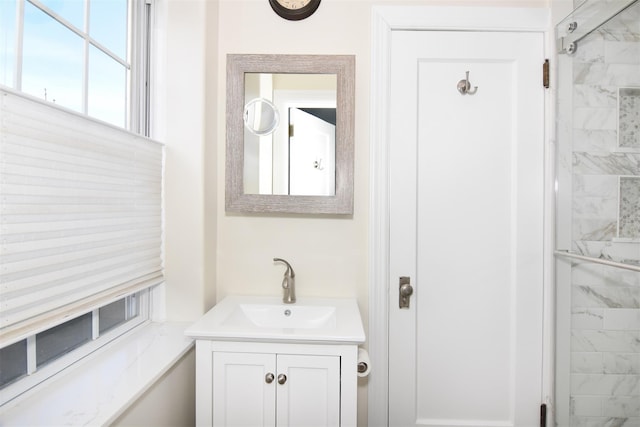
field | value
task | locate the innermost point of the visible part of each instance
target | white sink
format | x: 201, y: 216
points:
x: 246, y: 318
x: 284, y: 316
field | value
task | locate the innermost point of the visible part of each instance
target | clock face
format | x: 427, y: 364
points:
x: 294, y: 10
x: 294, y: 4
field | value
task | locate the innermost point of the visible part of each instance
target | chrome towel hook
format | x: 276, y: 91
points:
x: 464, y: 87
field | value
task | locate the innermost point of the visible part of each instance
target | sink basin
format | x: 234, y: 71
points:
x: 252, y: 318
x: 284, y: 316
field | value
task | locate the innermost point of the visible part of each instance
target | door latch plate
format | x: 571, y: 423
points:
x: 405, y: 292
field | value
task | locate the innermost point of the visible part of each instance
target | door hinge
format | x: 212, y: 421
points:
x: 290, y: 131
x: 545, y: 74
x: 543, y: 415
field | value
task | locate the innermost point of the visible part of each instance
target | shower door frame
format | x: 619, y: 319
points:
x: 386, y: 19
x: 596, y: 15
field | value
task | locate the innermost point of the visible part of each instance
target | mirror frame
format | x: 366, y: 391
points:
x: 235, y: 198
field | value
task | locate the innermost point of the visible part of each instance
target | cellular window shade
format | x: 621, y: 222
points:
x: 80, y: 214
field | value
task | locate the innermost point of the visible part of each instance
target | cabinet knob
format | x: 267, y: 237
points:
x: 269, y: 378
x: 282, y: 378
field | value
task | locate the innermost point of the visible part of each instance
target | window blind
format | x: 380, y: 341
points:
x: 80, y: 214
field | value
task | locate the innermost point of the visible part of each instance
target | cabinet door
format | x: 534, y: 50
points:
x: 311, y: 394
x: 242, y: 397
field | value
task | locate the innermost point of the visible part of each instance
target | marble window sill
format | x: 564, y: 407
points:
x: 100, y: 387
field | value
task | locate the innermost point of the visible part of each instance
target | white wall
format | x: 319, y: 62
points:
x: 169, y: 403
x: 182, y: 56
x: 329, y: 255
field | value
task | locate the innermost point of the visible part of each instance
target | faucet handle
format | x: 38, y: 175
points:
x: 288, y: 283
x: 289, y: 269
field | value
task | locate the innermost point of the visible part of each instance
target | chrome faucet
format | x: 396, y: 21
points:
x: 288, y: 283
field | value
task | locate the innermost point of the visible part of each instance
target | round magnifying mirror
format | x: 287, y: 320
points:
x: 261, y: 116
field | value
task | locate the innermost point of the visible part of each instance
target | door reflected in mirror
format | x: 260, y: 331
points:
x: 290, y: 134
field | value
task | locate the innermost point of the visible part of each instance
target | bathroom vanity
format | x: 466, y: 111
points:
x: 261, y: 362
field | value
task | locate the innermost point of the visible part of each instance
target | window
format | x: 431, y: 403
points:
x: 84, y: 55
x: 31, y: 360
x: 81, y: 205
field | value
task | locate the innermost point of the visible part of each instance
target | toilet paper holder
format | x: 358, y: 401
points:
x: 363, y: 364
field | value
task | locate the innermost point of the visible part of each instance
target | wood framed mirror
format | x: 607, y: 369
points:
x: 290, y: 134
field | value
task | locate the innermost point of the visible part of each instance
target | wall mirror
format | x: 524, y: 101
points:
x: 290, y: 128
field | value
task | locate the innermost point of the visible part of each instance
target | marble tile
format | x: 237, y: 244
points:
x: 578, y: 421
x: 586, y: 406
x: 587, y: 363
x: 629, y: 221
x: 587, y: 318
x: 590, y: 248
x: 591, y: 49
x: 622, y: 75
x: 595, y: 139
x: 621, y: 52
x: 629, y: 117
x: 617, y: 277
x: 625, y: 26
x: 606, y: 163
x: 621, y: 319
x: 588, y: 273
x: 605, y: 297
x: 596, y: 186
x: 621, y: 363
x: 605, y: 341
x: 621, y: 406
x: 597, y: 275
x: 591, y: 73
x: 594, y: 118
x: 595, y: 96
x: 594, y: 229
x: 604, y: 385
x: 626, y: 251
x: 595, y: 207
x: 596, y: 73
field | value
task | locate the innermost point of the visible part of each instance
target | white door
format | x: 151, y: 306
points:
x: 310, y: 397
x: 312, y: 153
x: 466, y: 224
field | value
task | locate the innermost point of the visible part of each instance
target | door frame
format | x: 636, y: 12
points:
x: 386, y: 19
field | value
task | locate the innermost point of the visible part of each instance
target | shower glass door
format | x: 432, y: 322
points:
x: 598, y: 216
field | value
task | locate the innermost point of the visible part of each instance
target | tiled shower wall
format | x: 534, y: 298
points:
x: 605, y: 322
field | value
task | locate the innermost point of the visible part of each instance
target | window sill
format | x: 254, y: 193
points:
x: 100, y: 387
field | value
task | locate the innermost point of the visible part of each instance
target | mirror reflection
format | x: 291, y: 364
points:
x: 290, y: 134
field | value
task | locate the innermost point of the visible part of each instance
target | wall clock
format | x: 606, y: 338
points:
x: 294, y: 10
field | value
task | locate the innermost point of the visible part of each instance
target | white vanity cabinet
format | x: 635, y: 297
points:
x: 275, y: 384
x: 261, y: 363
x: 262, y: 389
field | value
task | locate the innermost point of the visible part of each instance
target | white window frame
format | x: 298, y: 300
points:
x: 36, y: 375
x: 137, y: 61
